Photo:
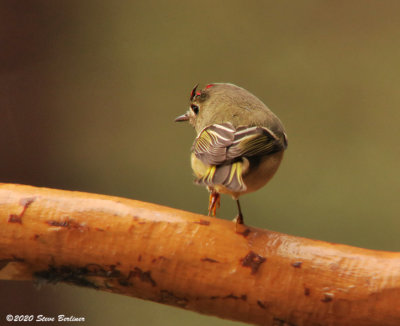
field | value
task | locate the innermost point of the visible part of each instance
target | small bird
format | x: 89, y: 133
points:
x: 239, y: 144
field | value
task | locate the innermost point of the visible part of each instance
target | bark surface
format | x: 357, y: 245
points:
x: 192, y: 261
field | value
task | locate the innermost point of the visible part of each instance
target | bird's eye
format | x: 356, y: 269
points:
x: 195, y: 108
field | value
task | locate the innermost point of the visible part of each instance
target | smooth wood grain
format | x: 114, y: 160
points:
x: 192, y: 261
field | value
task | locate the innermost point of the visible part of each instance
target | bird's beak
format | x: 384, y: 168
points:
x: 183, y: 117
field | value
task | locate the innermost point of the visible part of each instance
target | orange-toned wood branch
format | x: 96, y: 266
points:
x: 193, y: 261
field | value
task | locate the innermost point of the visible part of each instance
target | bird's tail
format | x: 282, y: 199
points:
x: 229, y: 176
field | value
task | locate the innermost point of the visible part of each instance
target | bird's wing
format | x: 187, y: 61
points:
x: 222, y: 143
x: 211, y: 145
x: 253, y: 141
x: 226, y: 151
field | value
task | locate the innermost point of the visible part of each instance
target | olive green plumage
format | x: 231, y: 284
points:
x: 239, y: 143
x: 230, y: 103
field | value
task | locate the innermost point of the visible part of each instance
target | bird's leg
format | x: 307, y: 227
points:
x: 213, y: 203
x: 239, y: 217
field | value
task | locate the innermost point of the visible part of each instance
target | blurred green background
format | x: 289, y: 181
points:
x: 89, y: 91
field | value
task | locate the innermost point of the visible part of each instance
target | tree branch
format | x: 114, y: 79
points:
x: 193, y: 261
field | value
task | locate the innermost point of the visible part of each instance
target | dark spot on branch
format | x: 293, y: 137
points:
x: 81, y: 275
x: 172, y: 299
x: 113, y: 272
x: 159, y: 258
x: 124, y: 281
x: 202, y: 222
x: 230, y: 296
x: 99, y: 229
x: 63, y: 224
x: 328, y: 297
x: 253, y: 261
x: 68, y: 223
x: 307, y: 291
x: 214, y: 297
x: 94, y: 270
x: 14, y: 218
x: 140, y: 258
x: 68, y: 274
x: 162, y: 258
x: 143, y: 276
x: 25, y: 202
x: 245, y: 233
x: 235, y: 297
x: 36, y: 236
x: 210, y: 260
x: 261, y: 304
x: 297, y: 264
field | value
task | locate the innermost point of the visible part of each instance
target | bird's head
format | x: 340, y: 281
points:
x: 198, y: 106
x: 225, y: 102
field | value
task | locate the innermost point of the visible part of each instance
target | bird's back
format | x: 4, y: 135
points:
x: 233, y: 104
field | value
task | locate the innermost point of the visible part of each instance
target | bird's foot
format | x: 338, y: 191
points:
x: 238, y: 223
x: 238, y: 219
x: 213, y: 203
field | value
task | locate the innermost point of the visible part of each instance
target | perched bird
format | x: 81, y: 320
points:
x: 239, y: 143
